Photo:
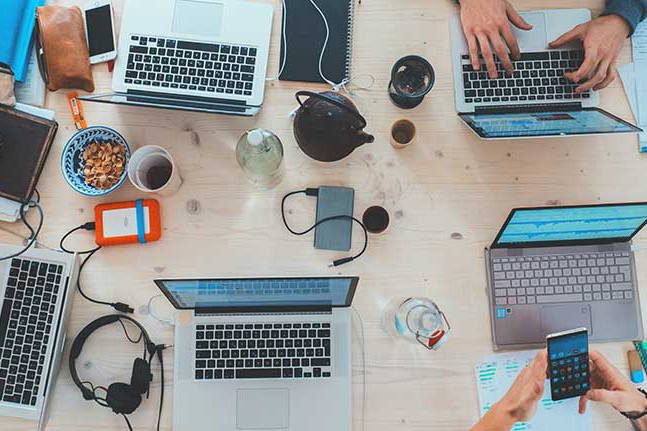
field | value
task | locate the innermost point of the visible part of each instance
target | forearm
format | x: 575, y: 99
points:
x: 632, y: 11
x: 496, y: 419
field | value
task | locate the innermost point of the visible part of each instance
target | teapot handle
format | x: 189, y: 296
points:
x: 332, y: 101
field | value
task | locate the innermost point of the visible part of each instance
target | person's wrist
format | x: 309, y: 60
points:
x: 635, y: 402
x: 618, y: 22
x: 506, y: 412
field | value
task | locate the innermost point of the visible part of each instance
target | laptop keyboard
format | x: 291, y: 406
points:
x: 562, y: 278
x: 25, y: 326
x: 260, y: 351
x: 197, y: 66
x: 536, y: 76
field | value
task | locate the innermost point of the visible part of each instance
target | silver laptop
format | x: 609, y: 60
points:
x: 556, y: 268
x: 262, y: 353
x: 536, y: 100
x: 199, y: 55
x: 36, y: 293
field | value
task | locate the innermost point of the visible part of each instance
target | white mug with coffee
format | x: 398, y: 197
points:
x: 152, y: 170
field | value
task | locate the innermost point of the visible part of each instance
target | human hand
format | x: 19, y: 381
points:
x: 486, y: 24
x: 602, y: 38
x: 610, y: 386
x: 522, y: 398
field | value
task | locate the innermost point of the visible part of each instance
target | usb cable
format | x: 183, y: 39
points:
x: 315, y: 192
x: 90, y: 226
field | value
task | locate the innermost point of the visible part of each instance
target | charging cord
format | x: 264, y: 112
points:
x: 33, y: 233
x: 90, y: 226
x: 152, y: 299
x: 335, y: 86
x: 315, y: 192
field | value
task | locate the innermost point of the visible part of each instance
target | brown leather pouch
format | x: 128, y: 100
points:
x: 65, y: 60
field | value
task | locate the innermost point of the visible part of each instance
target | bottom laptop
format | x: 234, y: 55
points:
x: 262, y: 353
x: 36, y: 293
x: 556, y: 268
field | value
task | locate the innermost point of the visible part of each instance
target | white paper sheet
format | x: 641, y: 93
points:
x: 495, y: 375
x: 639, y: 42
x: 629, y: 79
x: 32, y: 91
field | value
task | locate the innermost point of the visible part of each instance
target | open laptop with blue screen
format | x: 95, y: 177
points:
x: 536, y: 100
x: 262, y: 353
x: 552, y: 269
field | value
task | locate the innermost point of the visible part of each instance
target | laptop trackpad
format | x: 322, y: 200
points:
x: 557, y: 318
x: 262, y: 409
x: 196, y: 17
x: 535, y: 39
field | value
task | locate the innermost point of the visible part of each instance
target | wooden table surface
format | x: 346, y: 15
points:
x: 447, y: 195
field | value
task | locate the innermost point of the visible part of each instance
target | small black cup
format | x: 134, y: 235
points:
x: 412, y: 77
x: 376, y: 219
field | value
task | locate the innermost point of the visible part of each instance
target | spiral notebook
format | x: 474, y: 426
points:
x: 305, y: 33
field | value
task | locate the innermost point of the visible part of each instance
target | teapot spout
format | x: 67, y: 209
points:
x: 364, y: 138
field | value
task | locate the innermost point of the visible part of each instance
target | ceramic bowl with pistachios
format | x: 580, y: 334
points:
x: 95, y: 161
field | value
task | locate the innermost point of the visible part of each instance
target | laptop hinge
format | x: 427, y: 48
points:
x: 299, y: 309
x: 182, y: 97
x: 543, y: 107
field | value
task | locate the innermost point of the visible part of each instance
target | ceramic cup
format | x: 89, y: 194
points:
x: 376, y: 220
x: 403, y: 134
x: 152, y: 170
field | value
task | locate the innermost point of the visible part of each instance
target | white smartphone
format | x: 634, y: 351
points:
x: 100, y: 30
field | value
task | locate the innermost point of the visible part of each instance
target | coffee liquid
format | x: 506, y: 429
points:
x: 403, y: 133
x: 376, y: 219
x: 157, y: 176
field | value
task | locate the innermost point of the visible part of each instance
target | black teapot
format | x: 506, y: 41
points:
x: 328, y: 126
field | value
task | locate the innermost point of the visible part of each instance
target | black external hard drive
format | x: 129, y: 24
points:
x: 334, y: 234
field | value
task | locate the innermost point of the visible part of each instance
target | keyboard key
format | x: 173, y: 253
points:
x: 255, y: 373
x: 573, y: 297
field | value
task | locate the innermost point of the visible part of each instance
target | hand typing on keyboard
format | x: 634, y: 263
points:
x: 486, y: 24
x: 602, y: 38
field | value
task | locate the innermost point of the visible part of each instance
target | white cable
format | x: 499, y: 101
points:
x: 363, y: 347
x: 358, y: 87
x: 335, y: 87
x: 24, y: 238
x: 169, y: 322
x: 285, y: 45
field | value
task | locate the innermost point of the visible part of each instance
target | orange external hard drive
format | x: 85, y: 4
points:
x: 128, y: 222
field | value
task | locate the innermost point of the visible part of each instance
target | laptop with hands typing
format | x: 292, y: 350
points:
x: 536, y: 100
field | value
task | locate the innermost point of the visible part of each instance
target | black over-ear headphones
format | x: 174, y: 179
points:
x: 122, y: 398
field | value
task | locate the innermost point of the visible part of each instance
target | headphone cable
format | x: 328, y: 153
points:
x: 127, y: 422
x: 315, y: 192
x: 160, y: 357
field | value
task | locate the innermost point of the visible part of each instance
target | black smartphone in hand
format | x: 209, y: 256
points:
x: 568, y: 363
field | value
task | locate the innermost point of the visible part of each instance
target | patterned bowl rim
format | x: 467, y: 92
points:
x: 66, y: 150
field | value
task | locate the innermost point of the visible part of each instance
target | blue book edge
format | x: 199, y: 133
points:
x: 23, y: 42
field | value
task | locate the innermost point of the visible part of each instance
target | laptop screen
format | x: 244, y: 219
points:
x: 569, y: 225
x: 255, y: 293
x: 546, y: 123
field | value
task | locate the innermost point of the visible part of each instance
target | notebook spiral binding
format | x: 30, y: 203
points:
x: 349, y: 44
